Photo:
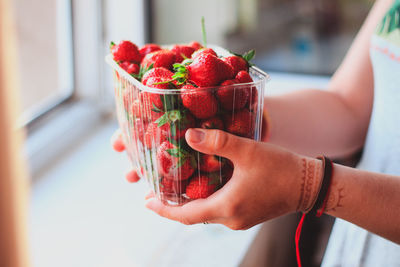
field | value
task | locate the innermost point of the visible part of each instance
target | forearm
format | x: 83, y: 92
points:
x: 313, y: 122
x: 369, y: 200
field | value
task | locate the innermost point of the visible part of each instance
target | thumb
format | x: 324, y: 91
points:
x: 217, y: 142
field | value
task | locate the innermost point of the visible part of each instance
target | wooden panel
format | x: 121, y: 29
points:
x: 13, y: 182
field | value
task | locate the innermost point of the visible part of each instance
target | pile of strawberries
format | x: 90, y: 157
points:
x: 191, y: 87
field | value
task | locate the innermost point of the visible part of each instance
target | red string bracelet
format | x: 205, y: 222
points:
x: 320, y: 204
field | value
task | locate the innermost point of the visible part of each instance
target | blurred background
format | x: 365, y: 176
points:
x: 82, y: 212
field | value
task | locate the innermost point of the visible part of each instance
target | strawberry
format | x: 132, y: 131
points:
x: 240, y: 123
x: 154, y: 135
x: 131, y: 68
x: 195, y: 45
x: 208, y: 70
x: 202, y: 187
x: 161, y: 58
x: 154, y: 99
x: 232, y: 98
x: 244, y: 77
x: 159, y: 72
x: 211, y: 163
x: 138, y: 130
x: 182, y: 52
x: 148, y: 48
x: 176, y: 123
x: 212, y: 123
x: 237, y: 63
x: 240, y: 62
x: 125, y: 51
x: 204, y: 51
x: 168, y: 186
x: 201, y: 103
x: 175, y: 163
x: 128, y: 99
x: 143, y: 108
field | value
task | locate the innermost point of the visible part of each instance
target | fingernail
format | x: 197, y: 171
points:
x: 195, y: 135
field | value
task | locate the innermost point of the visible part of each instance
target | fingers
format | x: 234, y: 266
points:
x: 197, y: 211
x: 117, y: 142
x: 217, y: 142
x: 132, y: 176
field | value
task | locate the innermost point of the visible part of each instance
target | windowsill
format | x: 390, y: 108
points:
x: 57, y: 133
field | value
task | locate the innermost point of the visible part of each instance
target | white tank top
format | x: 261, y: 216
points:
x: 350, y: 245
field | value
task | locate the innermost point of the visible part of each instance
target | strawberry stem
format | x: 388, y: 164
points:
x: 203, y: 30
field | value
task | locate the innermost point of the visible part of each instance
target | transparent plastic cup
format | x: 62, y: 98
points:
x: 154, y: 122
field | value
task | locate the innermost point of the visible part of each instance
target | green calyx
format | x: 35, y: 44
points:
x: 112, y: 44
x: 181, y: 72
x: 172, y: 116
x: 142, y: 71
x: 248, y: 56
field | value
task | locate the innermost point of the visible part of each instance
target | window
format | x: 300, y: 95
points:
x: 45, y: 61
x: 300, y: 36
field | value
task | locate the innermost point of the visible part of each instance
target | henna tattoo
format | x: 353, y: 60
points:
x: 335, y: 198
x: 310, y: 183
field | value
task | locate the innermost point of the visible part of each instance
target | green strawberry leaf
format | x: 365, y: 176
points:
x: 175, y: 115
x: 249, y: 55
x: 173, y: 141
x: 156, y: 109
x: 112, y: 44
x: 162, y: 120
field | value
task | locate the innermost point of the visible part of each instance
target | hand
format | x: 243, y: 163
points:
x: 266, y: 183
x: 118, y: 145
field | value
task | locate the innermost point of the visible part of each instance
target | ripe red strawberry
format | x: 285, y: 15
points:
x: 154, y: 135
x: 182, y: 52
x: 237, y: 63
x: 175, y: 123
x: 148, y: 48
x: 240, y: 123
x: 143, y: 108
x: 125, y: 51
x: 244, y: 77
x: 201, y: 187
x: 204, y: 51
x: 201, y: 103
x: 161, y: 58
x: 211, y: 163
x: 138, y: 130
x: 131, y: 68
x: 172, y: 187
x: 212, y: 123
x: 159, y: 72
x: 208, y: 70
x: 175, y: 163
x: 232, y: 98
x: 195, y: 45
x: 153, y: 99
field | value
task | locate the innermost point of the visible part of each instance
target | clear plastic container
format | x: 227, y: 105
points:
x: 154, y: 122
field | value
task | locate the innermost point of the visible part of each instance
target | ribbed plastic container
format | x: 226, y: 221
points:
x: 154, y: 122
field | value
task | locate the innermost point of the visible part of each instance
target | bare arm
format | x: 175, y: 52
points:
x: 332, y: 122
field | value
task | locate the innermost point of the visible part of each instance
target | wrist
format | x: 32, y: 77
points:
x: 308, y: 180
